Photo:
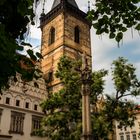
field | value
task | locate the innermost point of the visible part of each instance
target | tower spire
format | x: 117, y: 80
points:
x: 88, y: 5
x: 43, y: 9
x: 71, y: 2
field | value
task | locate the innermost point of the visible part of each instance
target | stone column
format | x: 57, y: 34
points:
x: 85, y: 91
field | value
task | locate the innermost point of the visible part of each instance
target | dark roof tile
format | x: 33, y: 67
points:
x: 72, y: 2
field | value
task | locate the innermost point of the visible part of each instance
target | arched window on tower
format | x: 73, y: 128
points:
x: 77, y: 34
x: 51, y: 35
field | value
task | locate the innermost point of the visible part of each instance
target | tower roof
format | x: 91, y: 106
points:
x: 69, y: 6
x: 57, y: 2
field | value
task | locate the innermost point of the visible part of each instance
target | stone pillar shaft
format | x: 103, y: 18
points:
x: 86, y: 119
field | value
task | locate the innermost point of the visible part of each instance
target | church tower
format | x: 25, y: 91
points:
x: 65, y: 31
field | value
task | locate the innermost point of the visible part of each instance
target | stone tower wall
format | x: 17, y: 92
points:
x: 70, y: 23
x: 64, y: 44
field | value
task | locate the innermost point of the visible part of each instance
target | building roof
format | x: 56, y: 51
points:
x: 57, y: 2
x: 69, y: 6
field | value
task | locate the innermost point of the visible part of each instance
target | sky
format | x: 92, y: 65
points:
x: 104, y: 50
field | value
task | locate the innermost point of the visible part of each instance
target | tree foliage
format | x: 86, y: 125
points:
x: 112, y: 17
x: 63, y: 109
x: 115, y: 17
x: 15, y: 15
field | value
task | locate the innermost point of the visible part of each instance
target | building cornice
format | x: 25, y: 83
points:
x: 64, y: 8
x: 21, y: 109
x: 25, y: 94
x: 6, y: 136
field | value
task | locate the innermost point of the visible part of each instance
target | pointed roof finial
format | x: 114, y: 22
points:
x: 88, y: 5
x: 43, y: 9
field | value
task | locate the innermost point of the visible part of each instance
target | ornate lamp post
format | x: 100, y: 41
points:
x: 85, y: 91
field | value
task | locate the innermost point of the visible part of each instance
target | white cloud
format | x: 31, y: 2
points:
x: 35, y: 32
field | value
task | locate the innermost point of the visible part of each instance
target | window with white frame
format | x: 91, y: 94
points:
x: 35, y: 107
x: 26, y: 104
x: 134, y: 136
x: 17, y: 102
x: 36, y: 121
x: 7, y: 100
x: 17, y: 122
x: 128, y: 137
x: 121, y: 137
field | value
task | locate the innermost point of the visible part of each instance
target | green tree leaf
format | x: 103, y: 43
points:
x: 112, y: 35
x: 119, y: 36
x: 26, y: 44
x: 39, y: 55
x: 111, y: 13
x: 20, y: 48
x: 31, y: 54
x: 137, y: 27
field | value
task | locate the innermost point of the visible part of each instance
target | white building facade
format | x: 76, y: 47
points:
x: 129, y: 133
x: 20, y: 113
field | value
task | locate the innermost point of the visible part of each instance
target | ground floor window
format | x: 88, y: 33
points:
x: 121, y: 137
x: 36, y: 121
x: 134, y: 136
x: 17, y: 122
x: 127, y: 137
